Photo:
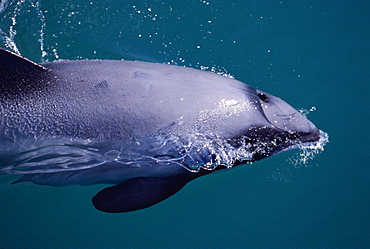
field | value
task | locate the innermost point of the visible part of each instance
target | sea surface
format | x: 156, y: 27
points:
x: 315, y: 54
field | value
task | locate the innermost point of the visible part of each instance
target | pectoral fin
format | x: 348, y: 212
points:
x: 136, y: 193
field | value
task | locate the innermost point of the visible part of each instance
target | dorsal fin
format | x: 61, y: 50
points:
x: 20, y: 75
x: 13, y: 62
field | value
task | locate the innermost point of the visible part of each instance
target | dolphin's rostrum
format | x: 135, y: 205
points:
x: 146, y: 128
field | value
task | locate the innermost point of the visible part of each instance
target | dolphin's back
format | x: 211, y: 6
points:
x: 107, y: 100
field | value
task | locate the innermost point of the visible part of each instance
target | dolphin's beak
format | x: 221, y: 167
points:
x: 312, y: 136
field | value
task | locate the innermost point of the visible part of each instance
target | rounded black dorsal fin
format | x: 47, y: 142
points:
x: 19, y: 74
x: 15, y: 63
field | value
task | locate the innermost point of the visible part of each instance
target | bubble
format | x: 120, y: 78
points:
x: 309, y: 151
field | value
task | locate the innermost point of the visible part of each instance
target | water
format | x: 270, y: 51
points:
x: 314, y: 54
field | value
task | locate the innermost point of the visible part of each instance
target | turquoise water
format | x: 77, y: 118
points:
x: 310, y: 53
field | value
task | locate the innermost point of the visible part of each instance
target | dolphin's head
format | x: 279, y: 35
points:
x: 284, y: 117
x: 284, y: 129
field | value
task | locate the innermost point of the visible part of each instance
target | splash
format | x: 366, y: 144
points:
x: 217, y: 70
x: 308, y: 152
x: 12, y: 15
x: 10, y: 12
x: 305, y: 112
x: 190, y: 151
x: 41, y: 31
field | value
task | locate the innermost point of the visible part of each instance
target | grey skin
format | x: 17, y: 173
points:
x: 93, y: 105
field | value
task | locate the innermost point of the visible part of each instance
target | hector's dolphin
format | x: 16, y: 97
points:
x: 146, y: 128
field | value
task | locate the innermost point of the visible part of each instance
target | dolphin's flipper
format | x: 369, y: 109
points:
x: 136, y: 193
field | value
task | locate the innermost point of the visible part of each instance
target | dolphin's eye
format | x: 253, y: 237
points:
x: 263, y: 97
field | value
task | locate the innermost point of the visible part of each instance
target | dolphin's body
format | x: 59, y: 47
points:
x: 147, y: 128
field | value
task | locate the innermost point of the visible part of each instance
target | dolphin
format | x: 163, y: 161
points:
x: 145, y: 128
